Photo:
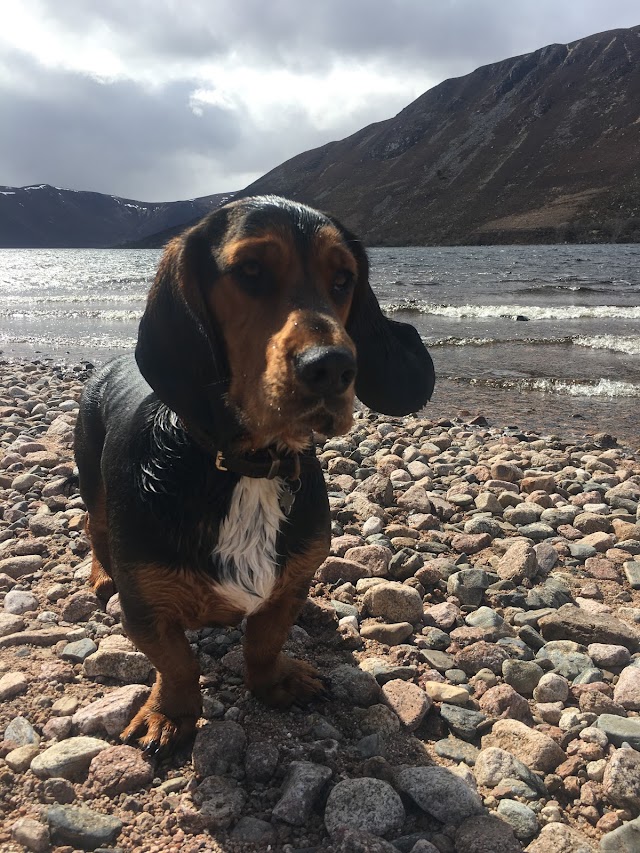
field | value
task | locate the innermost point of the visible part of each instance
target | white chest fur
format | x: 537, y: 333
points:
x: 246, y: 549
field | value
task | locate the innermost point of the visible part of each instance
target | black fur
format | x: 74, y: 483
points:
x: 180, y: 351
x: 395, y: 371
x: 165, y: 496
x: 148, y: 428
x: 146, y: 444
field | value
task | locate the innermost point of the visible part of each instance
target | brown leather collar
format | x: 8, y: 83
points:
x: 265, y: 464
x: 261, y: 464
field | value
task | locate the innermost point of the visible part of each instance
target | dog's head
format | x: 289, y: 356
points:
x: 261, y: 324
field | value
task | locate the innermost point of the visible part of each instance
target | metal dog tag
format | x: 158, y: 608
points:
x: 287, y: 499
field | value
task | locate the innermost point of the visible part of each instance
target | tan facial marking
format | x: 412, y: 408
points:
x: 265, y: 331
x: 330, y: 258
x: 271, y: 249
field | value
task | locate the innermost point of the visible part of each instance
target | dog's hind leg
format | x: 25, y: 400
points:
x: 89, y: 441
x: 96, y: 529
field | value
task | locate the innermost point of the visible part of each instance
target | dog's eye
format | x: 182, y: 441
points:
x: 342, y: 282
x: 249, y: 269
x: 253, y: 277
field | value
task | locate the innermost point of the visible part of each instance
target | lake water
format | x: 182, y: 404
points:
x: 572, y: 365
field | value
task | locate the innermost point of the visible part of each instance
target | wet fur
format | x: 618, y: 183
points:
x: 187, y: 544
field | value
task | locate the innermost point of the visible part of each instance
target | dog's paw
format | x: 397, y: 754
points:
x: 102, y: 582
x: 104, y: 589
x: 292, y: 682
x: 156, y: 733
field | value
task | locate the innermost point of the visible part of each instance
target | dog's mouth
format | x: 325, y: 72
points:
x: 321, y: 421
x: 297, y: 427
x: 328, y: 417
x: 290, y: 418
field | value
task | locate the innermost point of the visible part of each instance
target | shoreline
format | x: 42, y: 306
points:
x: 545, y: 413
x: 567, y: 416
x: 479, y: 606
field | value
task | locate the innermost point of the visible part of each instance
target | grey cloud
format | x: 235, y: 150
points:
x: 447, y: 37
x: 73, y: 131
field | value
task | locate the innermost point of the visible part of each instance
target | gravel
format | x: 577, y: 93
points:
x: 484, y: 681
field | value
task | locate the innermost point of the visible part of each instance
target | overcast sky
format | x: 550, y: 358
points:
x: 165, y: 99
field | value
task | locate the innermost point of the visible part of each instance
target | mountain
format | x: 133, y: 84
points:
x: 160, y: 238
x: 43, y: 216
x: 539, y: 148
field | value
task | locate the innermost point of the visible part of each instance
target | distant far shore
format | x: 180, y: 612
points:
x: 549, y: 237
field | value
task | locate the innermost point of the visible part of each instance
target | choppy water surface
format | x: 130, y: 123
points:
x: 547, y: 336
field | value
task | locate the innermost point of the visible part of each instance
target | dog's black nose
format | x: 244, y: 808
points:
x: 326, y: 371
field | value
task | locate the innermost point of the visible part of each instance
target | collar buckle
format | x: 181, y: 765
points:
x: 275, y: 464
x: 262, y: 465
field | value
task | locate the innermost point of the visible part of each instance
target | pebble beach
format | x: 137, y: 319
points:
x: 478, y: 624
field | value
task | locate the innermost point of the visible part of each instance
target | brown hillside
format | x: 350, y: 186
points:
x: 543, y: 147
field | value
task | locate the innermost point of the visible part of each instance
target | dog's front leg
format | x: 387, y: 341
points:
x: 157, y: 604
x: 170, y: 714
x: 273, y: 677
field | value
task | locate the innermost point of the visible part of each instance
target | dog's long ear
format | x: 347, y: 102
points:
x: 395, y: 372
x: 180, y: 352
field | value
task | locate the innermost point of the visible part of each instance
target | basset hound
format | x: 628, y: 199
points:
x: 205, y: 501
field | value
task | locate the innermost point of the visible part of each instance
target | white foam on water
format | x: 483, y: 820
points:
x: 109, y: 315
x: 464, y: 342
x: 602, y: 388
x: 55, y: 298
x: 451, y: 341
x: 61, y: 342
x: 629, y: 345
x: 532, y: 312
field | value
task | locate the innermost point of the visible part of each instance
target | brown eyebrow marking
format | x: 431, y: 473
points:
x: 329, y: 246
x: 271, y: 245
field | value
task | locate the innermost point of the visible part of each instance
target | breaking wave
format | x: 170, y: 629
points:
x: 452, y: 341
x: 19, y: 300
x: 110, y: 315
x: 578, y: 388
x: 77, y: 342
x: 630, y: 345
x: 510, y: 312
